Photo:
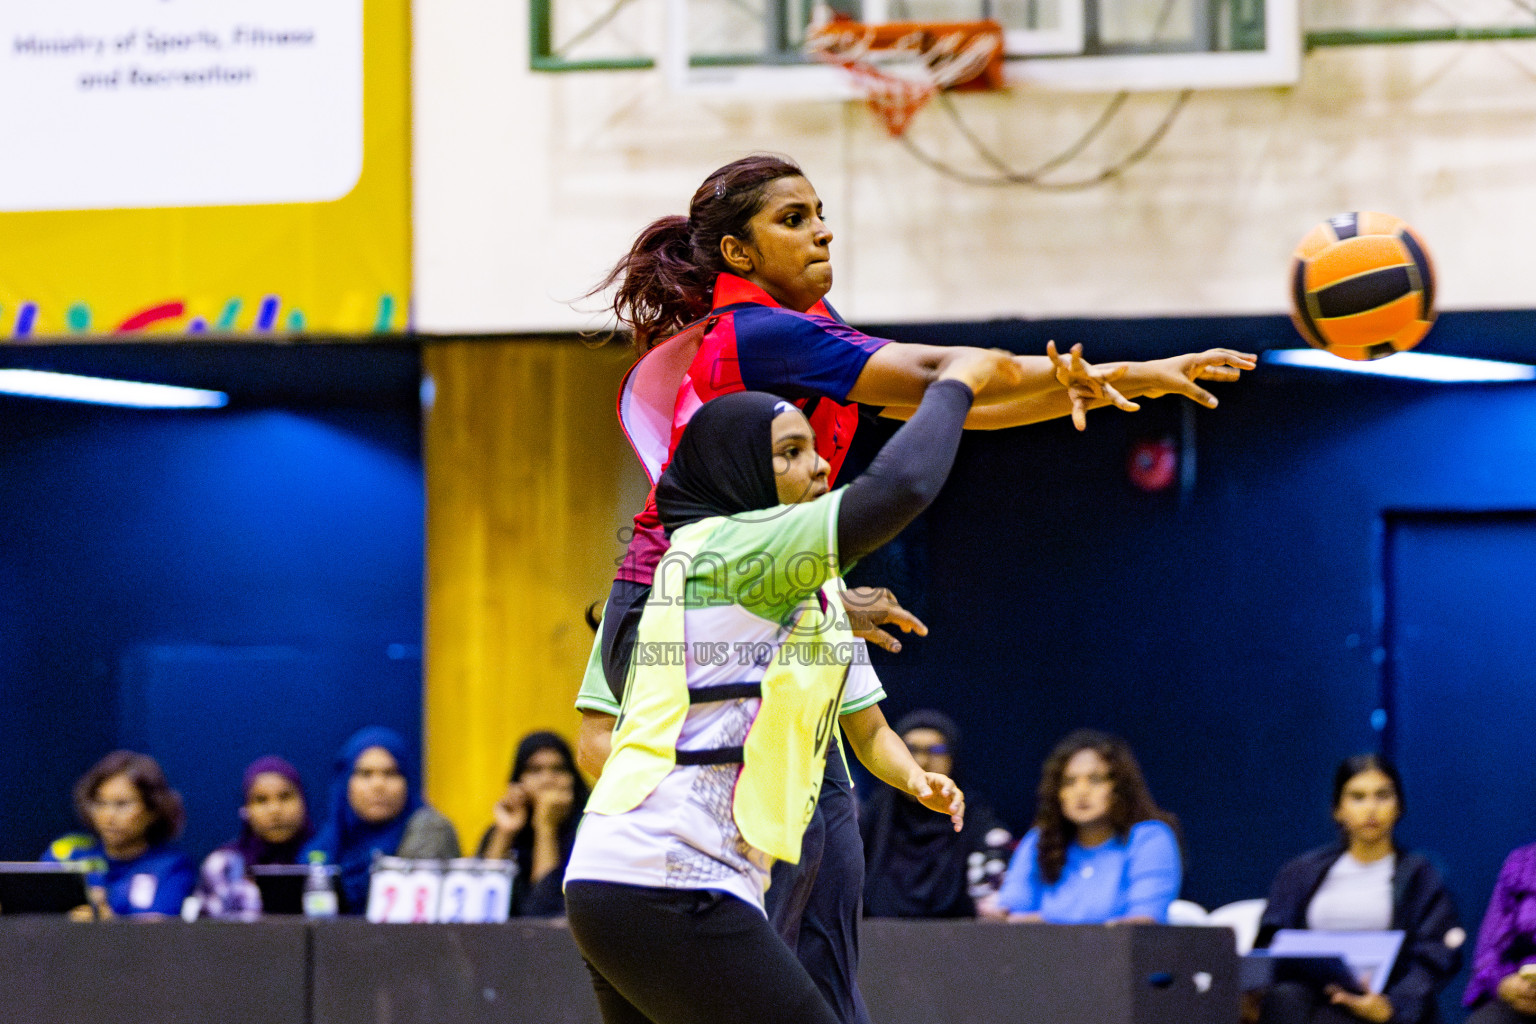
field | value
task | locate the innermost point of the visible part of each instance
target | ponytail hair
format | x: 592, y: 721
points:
x: 667, y: 279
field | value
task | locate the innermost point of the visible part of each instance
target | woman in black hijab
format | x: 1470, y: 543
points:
x: 664, y: 889
x: 915, y: 863
x: 534, y: 823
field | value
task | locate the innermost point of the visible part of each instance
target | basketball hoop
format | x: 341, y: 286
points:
x: 898, y: 66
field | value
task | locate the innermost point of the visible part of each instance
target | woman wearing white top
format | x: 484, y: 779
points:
x: 1366, y: 882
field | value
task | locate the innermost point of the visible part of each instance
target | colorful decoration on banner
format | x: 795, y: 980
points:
x: 175, y: 317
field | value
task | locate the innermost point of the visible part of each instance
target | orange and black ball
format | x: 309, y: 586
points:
x: 1362, y: 286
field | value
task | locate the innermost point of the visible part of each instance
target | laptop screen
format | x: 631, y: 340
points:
x: 31, y: 887
x: 282, y: 886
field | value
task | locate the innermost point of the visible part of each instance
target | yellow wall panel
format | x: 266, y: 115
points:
x: 529, y: 483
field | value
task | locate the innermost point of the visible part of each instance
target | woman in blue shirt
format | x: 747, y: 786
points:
x: 1101, y: 850
x: 133, y: 814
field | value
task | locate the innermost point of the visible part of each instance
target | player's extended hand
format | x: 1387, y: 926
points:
x: 1176, y: 375
x: 1373, y: 1006
x: 1086, y: 383
x: 939, y: 794
x: 869, y: 608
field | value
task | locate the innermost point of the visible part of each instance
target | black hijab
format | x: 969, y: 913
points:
x: 723, y: 464
x: 534, y: 743
x: 915, y: 861
x: 543, y: 899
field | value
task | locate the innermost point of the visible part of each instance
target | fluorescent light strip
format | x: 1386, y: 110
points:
x: 68, y: 387
x: 1411, y: 365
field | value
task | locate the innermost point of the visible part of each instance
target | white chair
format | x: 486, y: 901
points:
x: 1186, y: 912
x: 1243, y: 918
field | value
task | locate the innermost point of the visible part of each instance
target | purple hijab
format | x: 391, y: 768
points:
x: 252, y: 847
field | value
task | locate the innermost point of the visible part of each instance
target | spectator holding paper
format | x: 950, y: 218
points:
x: 1366, y: 882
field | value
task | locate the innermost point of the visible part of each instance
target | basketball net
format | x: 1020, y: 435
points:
x: 899, y: 66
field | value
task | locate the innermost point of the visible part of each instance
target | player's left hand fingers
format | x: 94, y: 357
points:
x: 1241, y: 360
x: 1223, y: 358
x: 1121, y: 402
x: 948, y: 791
x: 1079, y: 408
x: 1071, y: 370
x: 1060, y: 365
x: 956, y: 813
x: 1080, y: 368
x: 906, y: 621
x: 1194, y: 392
x: 880, y: 638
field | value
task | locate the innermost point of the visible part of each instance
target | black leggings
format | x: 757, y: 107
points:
x: 815, y: 905
x: 687, y: 956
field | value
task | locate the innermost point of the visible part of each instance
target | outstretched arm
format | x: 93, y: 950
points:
x: 882, y: 751
x: 1148, y: 379
x: 899, y: 373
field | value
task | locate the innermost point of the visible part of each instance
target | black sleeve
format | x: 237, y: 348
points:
x: 1426, y: 963
x: 1288, y: 899
x: 907, y: 474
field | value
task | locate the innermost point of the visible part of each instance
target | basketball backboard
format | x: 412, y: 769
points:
x: 756, y: 47
x: 1092, y: 45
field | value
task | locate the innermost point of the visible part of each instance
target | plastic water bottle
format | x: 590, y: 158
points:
x: 319, y: 893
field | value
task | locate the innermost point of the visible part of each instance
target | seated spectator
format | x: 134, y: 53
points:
x: 534, y: 823
x: 1101, y: 851
x: 274, y: 826
x: 1503, y: 984
x: 132, y: 814
x: 376, y: 809
x: 274, y: 816
x: 1366, y: 882
x: 916, y: 864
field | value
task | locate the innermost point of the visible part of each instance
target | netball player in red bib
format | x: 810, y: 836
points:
x: 732, y: 298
